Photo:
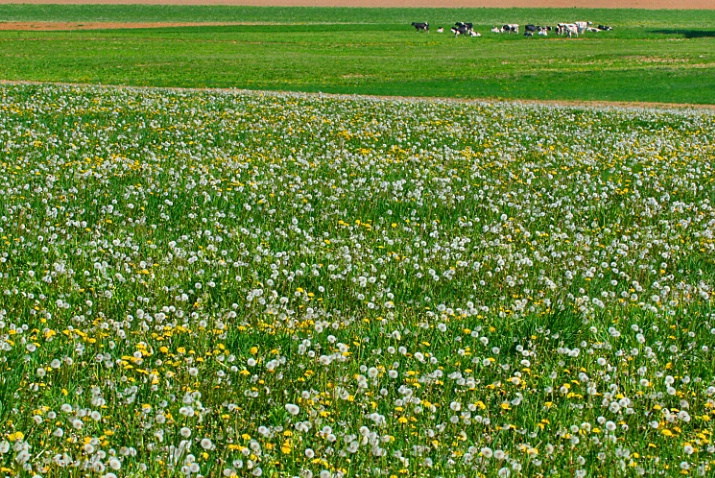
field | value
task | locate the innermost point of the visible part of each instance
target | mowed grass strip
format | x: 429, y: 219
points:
x: 658, y: 56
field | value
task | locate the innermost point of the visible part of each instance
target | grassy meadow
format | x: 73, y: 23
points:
x: 217, y: 283
x: 271, y: 284
x: 657, y: 56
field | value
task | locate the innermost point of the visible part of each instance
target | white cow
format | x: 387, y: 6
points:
x: 582, y: 26
x: 567, y: 28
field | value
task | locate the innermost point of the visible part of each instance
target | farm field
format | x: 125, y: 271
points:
x: 207, y: 283
x: 652, y: 56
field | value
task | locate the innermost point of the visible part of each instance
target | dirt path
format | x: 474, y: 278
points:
x: 53, y: 26
x: 650, y: 4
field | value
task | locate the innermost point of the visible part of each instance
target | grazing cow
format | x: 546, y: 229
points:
x: 604, y: 28
x: 569, y: 29
x: 582, y: 26
x: 536, y: 28
x: 461, y: 28
x: 528, y: 34
x: 511, y: 28
x: 421, y: 27
x: 461, y: 31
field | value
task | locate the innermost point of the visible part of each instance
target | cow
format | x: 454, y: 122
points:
x: 460, y: 31
x: 421, y: 27
x: 604, y: 28
x: 543, y: 33
x: 440, y: 30
x: 536, y: 29
x: 568, y: 29
x: 528, y: 34
x: 461, y: 28
x: 496, y: 30
x: 511, y: 28
x: 582, y: 26
x: 474, y: 34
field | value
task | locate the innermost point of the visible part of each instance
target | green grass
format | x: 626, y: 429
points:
x: 662, y: 56
x: 157, y: 13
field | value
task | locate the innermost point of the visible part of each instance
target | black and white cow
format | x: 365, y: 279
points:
x: 604, y: 28
x: 530, y: 28
x: 421, y: 26
x: 462, y: 28
x: 510, y: 28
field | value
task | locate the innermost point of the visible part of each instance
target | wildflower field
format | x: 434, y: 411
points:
x: 243, y: 284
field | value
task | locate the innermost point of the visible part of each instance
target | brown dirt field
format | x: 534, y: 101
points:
x: 649, y: 4
x: 53, y: 26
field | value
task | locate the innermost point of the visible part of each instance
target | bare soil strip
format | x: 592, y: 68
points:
x: 55, y: 26
x: 647, y: 4
x: 565, y: 103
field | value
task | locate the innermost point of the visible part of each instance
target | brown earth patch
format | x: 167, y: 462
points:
x: 647, y: 4
x: 56, y: 26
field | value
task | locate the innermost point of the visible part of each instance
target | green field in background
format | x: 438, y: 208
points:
x: 662, y: 56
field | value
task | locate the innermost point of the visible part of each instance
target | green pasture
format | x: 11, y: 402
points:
x: 686, y: 19
x: 662, y: 56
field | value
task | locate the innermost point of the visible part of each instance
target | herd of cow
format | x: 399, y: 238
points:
x: 570, y: 29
